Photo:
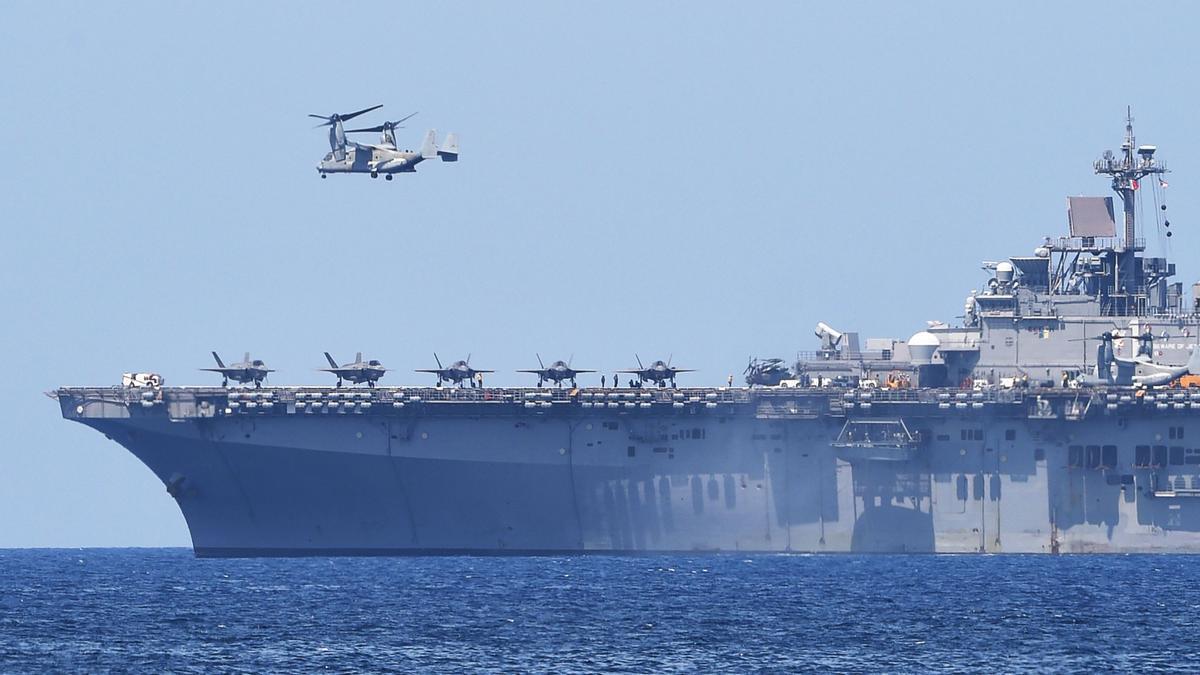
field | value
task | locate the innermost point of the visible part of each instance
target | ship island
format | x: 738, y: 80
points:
x: 1057, y: 417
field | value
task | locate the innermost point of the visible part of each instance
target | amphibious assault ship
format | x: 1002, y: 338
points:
x: 1042, y: 423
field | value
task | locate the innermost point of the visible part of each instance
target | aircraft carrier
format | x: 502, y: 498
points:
x: 1050, y: 420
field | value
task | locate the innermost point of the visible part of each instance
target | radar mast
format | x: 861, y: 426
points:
x: 1126, y: 172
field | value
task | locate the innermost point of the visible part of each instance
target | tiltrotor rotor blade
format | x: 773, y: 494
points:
x: 364, y: 110
x: 386, y: 126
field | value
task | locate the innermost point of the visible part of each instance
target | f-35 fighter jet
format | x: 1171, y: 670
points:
x: 358, y: 371
x: 556, y: 373
x: 243, y: 373
x: 659, y: 372
x: 459, y: 372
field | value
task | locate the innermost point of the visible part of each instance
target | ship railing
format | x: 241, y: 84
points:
x: 1097, y: 243
x: 911, y: 395
x: 863, y: 355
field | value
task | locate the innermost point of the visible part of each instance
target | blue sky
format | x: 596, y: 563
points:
x: 690, y: 178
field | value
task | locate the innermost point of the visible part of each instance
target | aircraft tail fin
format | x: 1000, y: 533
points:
x: 1193, y: 364
x: 429, y: 148
x: 358, y: 357
x: 218, y: 359
x: 332, y: 363
x: 449, y: 150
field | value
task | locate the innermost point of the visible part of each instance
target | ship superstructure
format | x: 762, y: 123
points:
x: 1036, y: 425
x: 1039, y: 317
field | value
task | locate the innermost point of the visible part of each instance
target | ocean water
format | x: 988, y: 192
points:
x: 159, y: 610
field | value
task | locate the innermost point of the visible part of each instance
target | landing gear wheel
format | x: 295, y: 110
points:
x: 324, y: 176
x: 374, y: 174
x: 388, y: 177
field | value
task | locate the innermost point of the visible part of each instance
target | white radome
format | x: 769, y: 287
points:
x: 921, y: 347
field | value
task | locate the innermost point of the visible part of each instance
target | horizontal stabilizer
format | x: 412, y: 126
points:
x: 449, y: 150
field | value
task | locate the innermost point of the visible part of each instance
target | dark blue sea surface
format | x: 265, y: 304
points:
x: 159, y: 610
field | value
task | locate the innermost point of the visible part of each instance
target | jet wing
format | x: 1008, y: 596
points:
x: 476, y: 370
x: 223, y: 370
x: 435, y: 371
x: 635, y: 371
x: 683, y: 370
x: 535, y: 371
x: 576, y: 370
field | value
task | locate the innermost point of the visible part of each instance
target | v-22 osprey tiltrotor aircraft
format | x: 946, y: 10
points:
x: 384, y: 157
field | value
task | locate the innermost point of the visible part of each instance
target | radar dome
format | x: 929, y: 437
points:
x: 921, y: 348
x: 1004, y: 272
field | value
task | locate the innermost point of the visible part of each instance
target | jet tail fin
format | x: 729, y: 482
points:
x: 218, y: 359
x: 449, y: 150
x: 429, y: 148
x: 332, y: 363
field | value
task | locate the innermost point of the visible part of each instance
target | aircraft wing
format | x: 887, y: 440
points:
x: 535, y: 371
x: 482, y: 371
x: 435, y: 371
x: 683, y: 370
x: 635, y: 371
x: 584, y: 371
x: 224, y: 370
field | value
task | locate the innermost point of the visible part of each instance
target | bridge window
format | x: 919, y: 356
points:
x: 1108, y: 456
x: 1075, y: 456
x: 1141, y: 455
x: 1191, y: 456
x: 1093, y: 456
x: 1160, y: 455
x: 1176, y: 455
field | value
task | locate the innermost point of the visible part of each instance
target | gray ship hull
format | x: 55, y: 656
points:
x: 756, y: 471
